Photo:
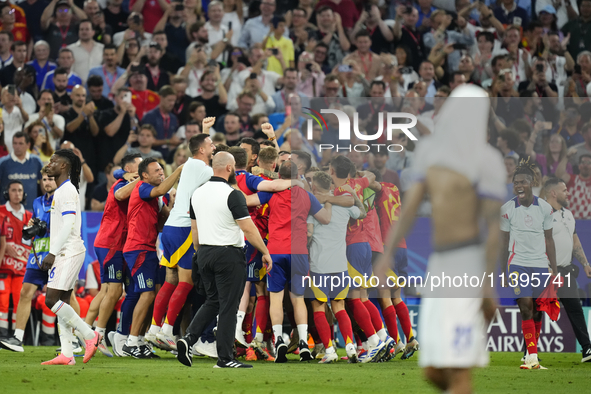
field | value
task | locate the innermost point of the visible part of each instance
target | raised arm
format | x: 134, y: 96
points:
x: 168, y: 183
x: 47, y: 15
x: 124, y: 192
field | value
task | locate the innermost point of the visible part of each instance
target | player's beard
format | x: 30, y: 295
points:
x: 232, y: 179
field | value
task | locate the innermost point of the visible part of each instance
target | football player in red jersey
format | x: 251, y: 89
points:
x: 387, y: 205
x: 14, y: 251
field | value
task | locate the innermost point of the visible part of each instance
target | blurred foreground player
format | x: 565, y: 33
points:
x: 66, y: 256
x: 464, y: 178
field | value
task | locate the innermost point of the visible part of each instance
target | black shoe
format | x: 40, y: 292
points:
x: 586, y: 355
x: 135, y: 352
x: 12, y: 344
x: 305, y: 354
x: 280, y: 351
x: 147, y: 352
x: 231, y: 364
x: 184, y: 350
x: 4, y: 333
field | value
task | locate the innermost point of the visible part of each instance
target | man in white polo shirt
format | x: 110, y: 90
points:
x: 568, y: 245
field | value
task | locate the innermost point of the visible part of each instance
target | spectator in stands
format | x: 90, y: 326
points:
x: 196, y: 113
x: 38, y: 141
x: 381, y: 35
x: 145, y: 137
x: 555, y: 159
x: 580, y: 34
x: 192, y: 128
x: 183, y: 102
x: 508, y: 141
x: 216, y: 31
x: 255, y: 29
x: 152, y: 10
x: 115, y: 125
x: 215, y: 104
x: 427, y: 74
x: 95, y: 91
x: 398, y: 158
x: 65, y: 62
x: 164, y: 121
x: 579, y: 187
x: 19, y: 30
x: 559, y: 12
x: 54, y: 123
x: 193, y: 71
x: 58, y: 26
x: 231, y: 128
x: 173, y: 25
x: 19, y: 56
x: 517, y: 56
x: 278, y: 48
x: 81, y: 126
x: 508, y: 107
x: 509, y: 13
x: 135, y: 29
x: 569, y: 127
x: 576, y: 151
x: 24, y: 79
x: 3, y: 147
x: 497, y: 64
x: 41, y: 63
x: 467, y: 68
x: 103, y: 33
x: 456, y: 79
x: 442, y: 94
x: 143, y: 100
x: 539, y: 81
x: 282, y: 97
x: 331, y: 32
x: 100, y: 193
x: 380, y: 158
x: 169, y: 62
x: 320, y: 57
x: 510, y: 165
x: 109, y: 71
x: 299, y: 33
x: 22, y: 166
x: 87, y: 52
x: 115, y: 15
x: 33, y: 9
x: 6, y: 39
x: 425, y: 9
x: 580, y: 79
x: 345, y: 9
x: 14, y: 115
x: 157, y: 77
x: 310, y: 76
x: 532, y: 38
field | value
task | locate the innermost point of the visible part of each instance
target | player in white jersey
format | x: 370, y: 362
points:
x: 464, y: 178
x: 568, y: 245
x: 177, y: 242
x: 526, y: 240
x: 66, y: 256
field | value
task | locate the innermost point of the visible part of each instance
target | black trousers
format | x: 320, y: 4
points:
x: 569, y: 297
x: 222, y: 272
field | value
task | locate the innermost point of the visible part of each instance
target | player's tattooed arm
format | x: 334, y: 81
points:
x: 579, y: 254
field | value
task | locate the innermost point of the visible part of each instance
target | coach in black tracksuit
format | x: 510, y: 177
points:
x: 219, y: 223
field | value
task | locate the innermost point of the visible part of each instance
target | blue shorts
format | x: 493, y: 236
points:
x: 177, y: 245
x: 326, y: 287
x: 288, y: 269
x: 36, y: 277
x: 401, y: 263
x: 527, y: 284
x: 255, y: 271
x: 359, y: 263
x: 143, y: 265
x: 112, y: 265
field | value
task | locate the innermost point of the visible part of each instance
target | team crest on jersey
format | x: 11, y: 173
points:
x: 529, y: 221
x: 517, y: 290
x: 528, y: 336
x: 150, y: 283
x: 119, y: 275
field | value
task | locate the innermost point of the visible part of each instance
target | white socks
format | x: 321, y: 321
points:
x: 373, y: 341
x: 303, y: 332
x: 167, y: 329
x: 330, y: 350
x: 70, y: 318
x: 19, y: 334
x: 154, y: 329
x: 101, y: 331
x: 382, y: 334
x: 132, y: 340
x: 259, y: 337
x: 239, y: 320
x: 66, y: 337
x: 277, y: 331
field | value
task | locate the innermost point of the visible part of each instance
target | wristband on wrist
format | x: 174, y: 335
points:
x: 81, y: 164
x: 272, y: 138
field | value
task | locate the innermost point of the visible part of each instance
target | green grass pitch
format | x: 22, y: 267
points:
x: 22, y: 372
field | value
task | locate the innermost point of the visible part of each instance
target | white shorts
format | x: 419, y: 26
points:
x: 65, y: 271
x: 452, y: 330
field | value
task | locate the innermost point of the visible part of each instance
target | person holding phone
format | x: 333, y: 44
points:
x: 539, y: 81
x: 280, y: 50
x: 14, y: 115
x: 381, y: 34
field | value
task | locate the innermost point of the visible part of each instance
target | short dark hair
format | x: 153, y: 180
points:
x: 380, y: 83
x: 239, y: 156
x: 488, y: 36
x: 166, y: 91
x: 342, y: 166
x: 95, y: 80
x: 380, y: 152
x: 109, y: 46
x: 85, y: 21
x: 143, y: 167
x: 9, y: 34
x: 286, y: 170
x: 196, y: 142
x: 17, y: 44
x: 496, y: 59
x: 150, y: 128
x: 289, y: 70
x: 159, y: 33
x: 362, y: 33
x: 129, y: 158
x: 551, y: 182
x: 47, y: 91
x: 62, y: 50
x: 584, y: 155
x: 305, y: 157
x: 268, y: 155
x: 194, y: 105
x: 377, y: 173
x: 205, y: 74
x: 320, y: 10
x: 255, y: 146
x: 60, y: 71
x: 512, y: 138
x: 21, y: 134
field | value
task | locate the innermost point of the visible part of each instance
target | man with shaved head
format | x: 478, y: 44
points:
x: 219, y: 223
x: 81, y: 126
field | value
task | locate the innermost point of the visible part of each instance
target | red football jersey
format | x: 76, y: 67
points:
x: 355, y: 233
x: 371, y: 227
x: 142, y: 219
x: 12, y: 228
x: 260, y: 215
x: 113, y: 230
x: 387, y: 203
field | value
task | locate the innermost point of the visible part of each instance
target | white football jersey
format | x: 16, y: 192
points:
x: 66, y: 201
x: 526, y: 225
x: 563, y: 232
x: 195, y: 173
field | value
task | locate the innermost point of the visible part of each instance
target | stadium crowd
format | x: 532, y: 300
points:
x: 116, y: 81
